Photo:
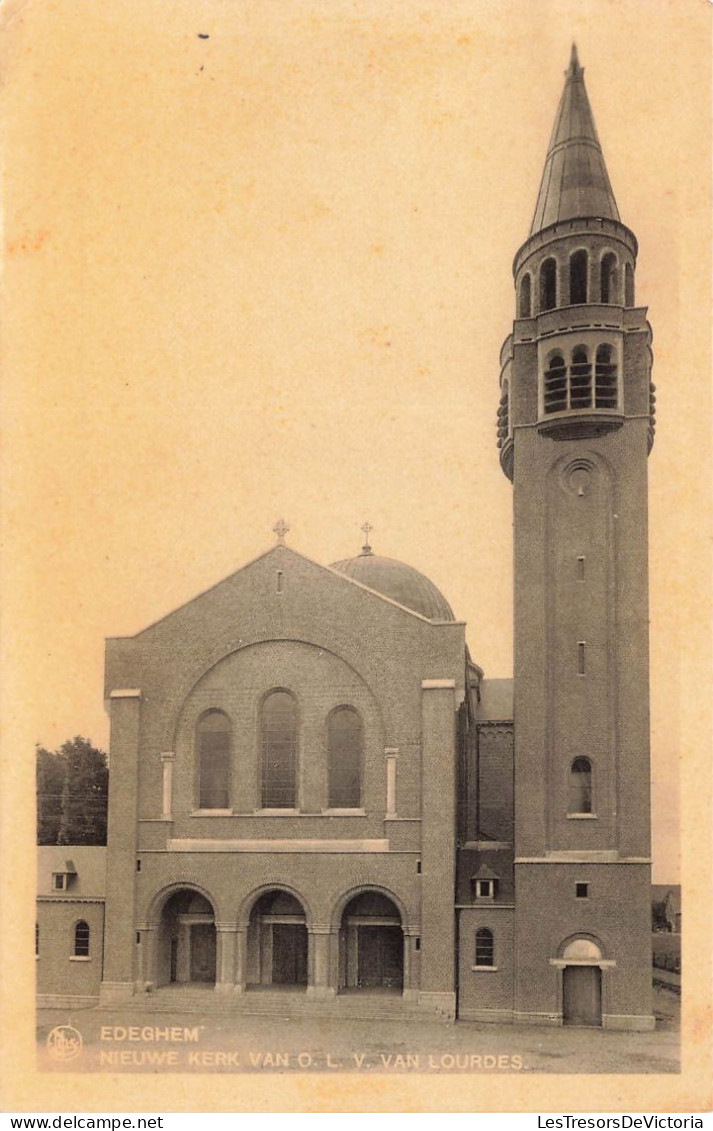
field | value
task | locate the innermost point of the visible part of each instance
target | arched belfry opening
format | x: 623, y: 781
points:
x: 371, y: 945
x: 277, y: 942
x: 186, y: 940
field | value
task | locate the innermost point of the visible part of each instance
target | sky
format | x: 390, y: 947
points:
x: 258, y: 265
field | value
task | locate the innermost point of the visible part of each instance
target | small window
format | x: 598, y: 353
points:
x: 580, y: 382
x: 581, y: 658
x: 279, y: 581
x: 629, y: 285
x: 37, y: 940
x: 581, y: 891
x: 418, y: 943
x: 59, y: 881
x: 213, y: 742
x: 524, y: 305
x: 484, y: 947
x: 555, y: 391
x: 605, y: 378
x: 580, y: 786
x: 608, y: 278
x: 81, y: 939
x: 578, y: 271
x: 581, y: 567
x: 484, y: 889
x: 548, y: 285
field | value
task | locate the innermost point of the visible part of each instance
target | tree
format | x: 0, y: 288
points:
x: 72, y: 790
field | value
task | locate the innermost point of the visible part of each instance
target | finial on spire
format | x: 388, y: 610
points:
x: 574, y: 67
x: 367, y: 528
x: 280, y: 529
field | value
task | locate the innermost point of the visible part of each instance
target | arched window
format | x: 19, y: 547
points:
x: 629, y: 285
x: 213, y: 735
x: 279, y: 751
x: 608, y: 279
x: 345, y: 746
x: 580, y: 380
x: 555, y: 390
x: 484, y: 947
x: 81, y: 939
x: 524, y: 304
x: 605, y: 378
x: 548, y: 285
x: 578, y: 281
x: 580, y: 786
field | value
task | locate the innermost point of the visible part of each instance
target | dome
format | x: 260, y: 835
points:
x: 400, y: 582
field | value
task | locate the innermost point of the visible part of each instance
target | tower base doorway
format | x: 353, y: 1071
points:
x: 582, y: 995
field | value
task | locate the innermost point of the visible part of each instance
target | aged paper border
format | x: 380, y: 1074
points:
x: 25, y: 1089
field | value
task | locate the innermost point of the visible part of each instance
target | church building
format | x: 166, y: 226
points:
x: 319, y: 804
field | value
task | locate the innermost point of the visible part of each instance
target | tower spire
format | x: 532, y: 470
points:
x: 575, y: 183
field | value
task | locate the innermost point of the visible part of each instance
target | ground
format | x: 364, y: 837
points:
x: 192, y: 1042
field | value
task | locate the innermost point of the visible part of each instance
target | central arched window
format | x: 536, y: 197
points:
x: 580, y: 381
x: 484, y: 947
x: 345, y: 751
x: 580, y: 786
x: 548, y: 285
x: 81, y: 939
x: 279, y: 751
x: 578, y: 271
x: 213, y: 735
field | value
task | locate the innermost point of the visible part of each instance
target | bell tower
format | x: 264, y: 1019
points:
x: 575, y: 426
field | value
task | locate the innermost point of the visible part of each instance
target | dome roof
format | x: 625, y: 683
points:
x: 400, y: 582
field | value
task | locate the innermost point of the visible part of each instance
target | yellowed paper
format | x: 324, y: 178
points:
x: 258, y: 263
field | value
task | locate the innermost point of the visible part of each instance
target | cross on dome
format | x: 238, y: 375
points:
x: 367, y: 528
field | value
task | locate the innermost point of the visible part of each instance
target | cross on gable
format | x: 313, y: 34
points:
x: 280, y: 529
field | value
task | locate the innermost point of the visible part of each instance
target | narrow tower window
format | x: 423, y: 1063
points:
x: 605, y: 378
x: 213, y: 735
x: 608, y: 285
x: 578, y: 271
x: 484, y: 947
x: 279, y: 581
x: 524, y: 305
x: 548, y: 285
x: 37, y: 940
x: 581, y: 658
x: 503, y: 415
x: 580, y: 567
x: 580, y: 384
x: 344, y: 741
x: 279, y: 751
x: 81, y: 939
x: 580, y: 786
x: 556, y: 384
x: 629, y: 285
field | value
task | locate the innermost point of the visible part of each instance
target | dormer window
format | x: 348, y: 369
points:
x: 484, y: 883
x: 484, y: 889
x: 62, y: 879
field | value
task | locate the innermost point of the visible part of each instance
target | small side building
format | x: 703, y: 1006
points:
x: 69, y: 931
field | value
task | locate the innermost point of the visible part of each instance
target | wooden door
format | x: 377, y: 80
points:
x: 582, y: 995
x: 380, y: 957
x: 203, y: 952
x: 289, y: 954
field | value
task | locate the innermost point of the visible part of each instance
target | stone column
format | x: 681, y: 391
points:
x: 167, y: 761
x: 146, y: 974
x: 119, y: 928
x: 226, y: 938
x: 391, y: 754
x: 241, y: 958
x: 320, y: 944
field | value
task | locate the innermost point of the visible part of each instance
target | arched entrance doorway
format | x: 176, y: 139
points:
x: 187, y: 939
x: 371, y: 945
x: 582, y: 983
x: 277, y: 942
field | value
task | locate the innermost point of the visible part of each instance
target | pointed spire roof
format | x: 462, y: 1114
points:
x: 575, y: 181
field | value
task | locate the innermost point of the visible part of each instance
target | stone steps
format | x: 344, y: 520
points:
x: 362, y: 1007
